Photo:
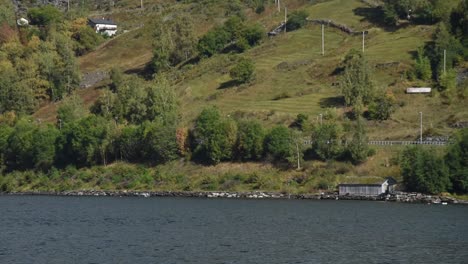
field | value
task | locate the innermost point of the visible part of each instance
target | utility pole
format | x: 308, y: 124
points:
x: 285, y: 18
x: 323, y: 40
x: 279, y: 6
x: 298, y: 157
x: 363, y: 40
x: 445, y: 61
x: 421, y: 127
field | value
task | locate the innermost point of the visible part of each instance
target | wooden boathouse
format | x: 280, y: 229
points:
x: 386, y: 185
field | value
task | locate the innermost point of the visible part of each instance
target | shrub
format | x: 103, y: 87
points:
x: 448, y: 80
x: 44, y: 15
x: 86, y: 40
x: 243, y: 71
x: 254, y: 34
x: 301, y: 122
x: 213, y: 42
x: 296, y: 20
x: 422, y: 68
x: 381, y: 108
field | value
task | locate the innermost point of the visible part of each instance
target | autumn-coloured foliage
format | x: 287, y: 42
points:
x: 7, y: 34
x: 182, y: 140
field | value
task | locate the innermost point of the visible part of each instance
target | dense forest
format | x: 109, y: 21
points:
x: 137, y: 119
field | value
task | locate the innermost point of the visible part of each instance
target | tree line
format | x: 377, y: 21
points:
x: 88, y: 139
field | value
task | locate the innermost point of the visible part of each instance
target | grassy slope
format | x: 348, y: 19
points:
x: 307, y: 82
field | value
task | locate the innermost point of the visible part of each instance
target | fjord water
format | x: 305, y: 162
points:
x: 50, y: 230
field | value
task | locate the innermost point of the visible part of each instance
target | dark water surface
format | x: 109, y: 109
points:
x: 177, y: 230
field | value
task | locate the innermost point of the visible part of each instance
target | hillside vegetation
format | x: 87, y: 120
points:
x: 197, y: 120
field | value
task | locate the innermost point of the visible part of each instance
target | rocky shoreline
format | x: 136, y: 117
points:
x: 394, y: 197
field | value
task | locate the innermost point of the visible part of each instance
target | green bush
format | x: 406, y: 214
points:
x: 86, y: 40
x: 301, y: 122
x: 381, y: 108
x: 213, y: 42
x: 254, y: 34
x: 44, y: 15
x: 243, y: 71
x: 422, y: 68
x: 296, y: 20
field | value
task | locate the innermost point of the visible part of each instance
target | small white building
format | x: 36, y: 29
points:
x: 103, y: 26
x: 383, y: 186
x: 418, y: 90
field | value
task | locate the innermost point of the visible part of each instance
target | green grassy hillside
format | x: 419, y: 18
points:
x: 292, y: 77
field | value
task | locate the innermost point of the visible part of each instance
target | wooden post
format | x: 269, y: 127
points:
x: 285, y: 18
x: 421, y: 128
x: 445, y: 61
x: 363, y: 41
x: 298, y: 157
x: 323, y: 39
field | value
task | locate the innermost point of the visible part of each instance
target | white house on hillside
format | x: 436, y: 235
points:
x: 103, y: 26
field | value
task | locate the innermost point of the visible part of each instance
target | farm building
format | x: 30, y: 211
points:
x: 419, y: 90
x: 373, y: 189
x: 103, y: 26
